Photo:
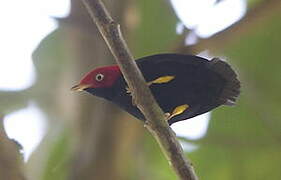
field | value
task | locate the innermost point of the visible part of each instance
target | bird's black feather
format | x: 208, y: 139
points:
x: 200, y: 83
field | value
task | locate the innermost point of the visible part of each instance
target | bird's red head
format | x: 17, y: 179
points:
x: 103, y: 77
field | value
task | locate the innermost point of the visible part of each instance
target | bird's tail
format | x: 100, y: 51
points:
x: 231, y: 89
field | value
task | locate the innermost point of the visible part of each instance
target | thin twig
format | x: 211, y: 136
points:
x: 156, y: 122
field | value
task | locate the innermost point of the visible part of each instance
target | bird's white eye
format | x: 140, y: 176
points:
x: 99, y: 77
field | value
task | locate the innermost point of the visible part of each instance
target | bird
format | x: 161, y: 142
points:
x: 184, y: 86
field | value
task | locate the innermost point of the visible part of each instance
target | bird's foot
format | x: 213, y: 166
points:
x: 146, y: 124
x: 129, y: 92
x: 167, y: 116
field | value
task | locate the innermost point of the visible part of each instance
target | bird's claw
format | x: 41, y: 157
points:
x: 129, y: 92
x: 167, y: 116
x: 145, y: 124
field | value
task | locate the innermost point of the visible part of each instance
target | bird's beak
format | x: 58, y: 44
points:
x: 80, y: 87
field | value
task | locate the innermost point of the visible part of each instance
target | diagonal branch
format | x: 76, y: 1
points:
x: 156, y: 122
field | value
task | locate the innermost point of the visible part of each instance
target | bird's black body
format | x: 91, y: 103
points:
x: 201, y: 84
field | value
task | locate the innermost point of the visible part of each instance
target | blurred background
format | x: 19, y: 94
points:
x: 47, y: 46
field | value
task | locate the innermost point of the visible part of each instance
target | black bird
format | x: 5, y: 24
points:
x: 183, y: 85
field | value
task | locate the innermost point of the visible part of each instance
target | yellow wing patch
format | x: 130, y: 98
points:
x: 160, y: 80
x: 178, y: 110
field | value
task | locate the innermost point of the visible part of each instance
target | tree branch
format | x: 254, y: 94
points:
x: 11, y: 166
x: 156, y: 122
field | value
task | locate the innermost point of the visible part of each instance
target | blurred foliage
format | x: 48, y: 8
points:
x: 59, y: 159
x: 243, y: 142
x: 154, y: 34
x: 252, y: 3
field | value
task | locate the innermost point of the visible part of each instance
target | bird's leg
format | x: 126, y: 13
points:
x: 160, y: 80
x: 129, y: 92
x: 178, y: 110
x: 167, y: 116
